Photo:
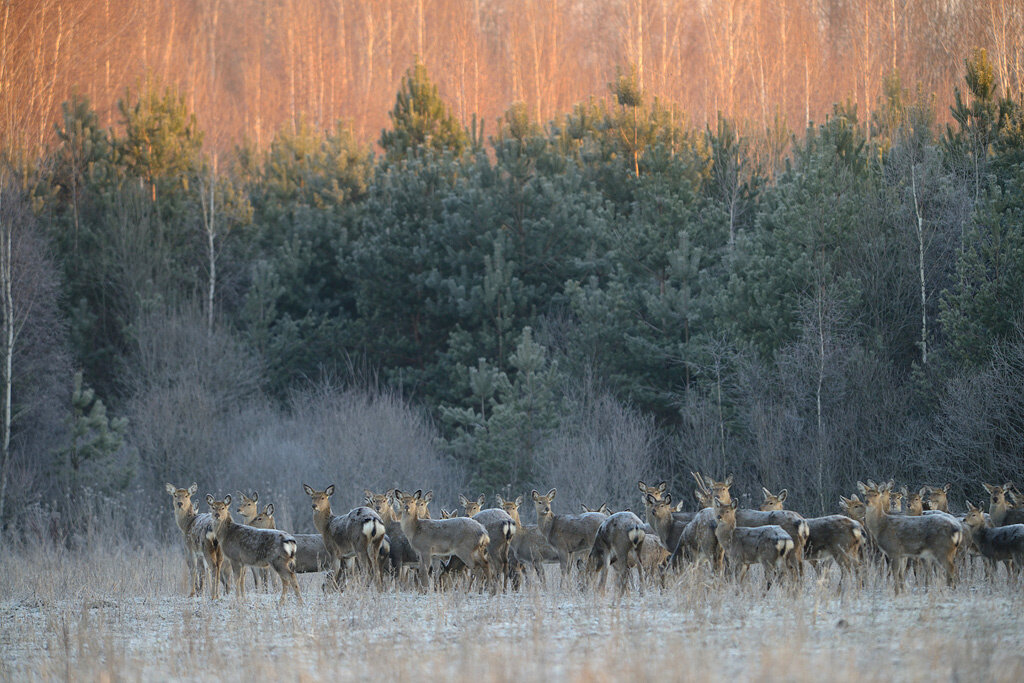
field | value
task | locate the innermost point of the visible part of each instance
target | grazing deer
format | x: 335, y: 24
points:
x: 835, y: 536
x: 567, y: 534
x: 999, y: 509
x: 246, y: 546
x: 996, y: 544
x: 618, y: 539
x: 935, y: 537
x: 529, y: 546
x: 743, y: 546
x: 200, y: 551
x: 793, y: 522
x: 462, y: 537
x: 357, y: 534
x: 250, y: 510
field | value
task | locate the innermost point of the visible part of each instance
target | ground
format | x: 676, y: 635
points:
x: 91, y: 615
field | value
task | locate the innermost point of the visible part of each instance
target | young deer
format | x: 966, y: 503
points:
x: 246, y: 546
x: 200, y: 551
x: 935, y: 537
x: 835, y: 536
x: 463, y: 537
x: 743, y: 546
x: 567, y: 534
x: 250, y: 510
x: 999, y: 508
x: 356, y: 535
x: 618, y: 539
x: 996, y: 544
x: 529, y: 546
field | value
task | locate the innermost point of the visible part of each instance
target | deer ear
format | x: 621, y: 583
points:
x: 728, y: 480
x: 946, y: 488
x: 988, y: 487
x: 481, y: 499
x: 308, y: 489
x: 519, y: 501
x: 269, y: 510
x: 734, y: 504
x: 428, y: 496
x: 551, y: 494
x: 783, y: 494
x: 367, y: 495
x: 330, y: 490
x: 536, y: 496
x: 678, y: 507
x: 463, y: 501
x: 193, y: 488
x: 662, y: 487
x: 255, y: 496
x: 696, y: 494
x: 862, y: 487
x: 170, y: 489
x: 227, y: 499
x: 643, y: 486
x: 209, y: 499
x: 650, y: 499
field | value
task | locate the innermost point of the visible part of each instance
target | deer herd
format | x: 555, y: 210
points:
x: 393, y: 540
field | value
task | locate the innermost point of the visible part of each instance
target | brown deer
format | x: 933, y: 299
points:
x: 567, y: 534
x: 356, y: 535
x: 835, y: 536
x: 663, y: 520
x: 311, y: 555
x: 767, y: 544
x: 400, y: 554
x: 462, y: 537
x: 200, y: 551
x: 935, y: 537
x: 501, y: 528
x: 618, y: 539
x: 246, y: 546
x: 999, y: 509
x: 937, y: 498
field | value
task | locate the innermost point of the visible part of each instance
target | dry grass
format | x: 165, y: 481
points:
x: 110, y: 614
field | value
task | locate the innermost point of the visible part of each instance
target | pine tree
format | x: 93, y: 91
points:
x: 420, y: 120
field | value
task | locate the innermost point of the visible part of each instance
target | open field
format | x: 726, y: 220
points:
x: 97, y: 615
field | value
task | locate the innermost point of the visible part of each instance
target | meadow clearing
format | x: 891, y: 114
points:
x: 120, y: 613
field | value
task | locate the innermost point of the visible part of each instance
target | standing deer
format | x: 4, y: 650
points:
x: 400, y: 553
x: 529, y: 546
x: 200, y: 551
x: 937, y: 498
x: 356, y: 535
x: 999, y: 509
x: 250, y: 510
x: 311, y: 555
x: 246, y: 546
x: 935, y: 537
x: 462, y: 537
x: 663, y: 520
x: 835, y: 536
x: 567, y: 534
x: 501, y: 528
x: 618, y: 539
x: 767, y: 544
x: 996, y: 544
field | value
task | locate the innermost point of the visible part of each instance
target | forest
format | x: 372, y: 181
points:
x: 574, y: 289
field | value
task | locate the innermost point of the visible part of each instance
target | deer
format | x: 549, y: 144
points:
x: 462, y: 537
x: 698, y: 536
x: 768, y: 544
x: 896, y: 502
x: 567, y: 534
x: 529, y: 545
x: 914, y: 501
x: 937, y: 497
x: 311, y: 555
x: 250, y: 510
x: 400, y: 553
x: 604, y: 509
x: 999, y: 509
x: 246, y: 546
x: 835, y: 536
x: 662, y: 519
x: 935, y: 537
x: 200, y: 552
x: 618, y: 539
x: 356, y: 535
x: 996, y: 544
x: 793, y: 522
x: 501, y: 528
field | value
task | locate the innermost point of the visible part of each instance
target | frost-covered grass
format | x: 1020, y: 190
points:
x: 109, y: 613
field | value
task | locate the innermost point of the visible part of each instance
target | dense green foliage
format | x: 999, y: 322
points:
x: 804, y: 318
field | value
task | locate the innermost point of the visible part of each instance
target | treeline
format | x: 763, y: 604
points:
x: 250, y: 67
x: 612, y: 295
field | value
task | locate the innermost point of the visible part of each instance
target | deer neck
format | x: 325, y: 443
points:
x: 544, y: 523
x: 410, y: 523
x: 875, y: 517
x: 724, y: 533
x: 387, y: 515
x: 997, y: 511
x: 322, y: 518
x: 221, y: 527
